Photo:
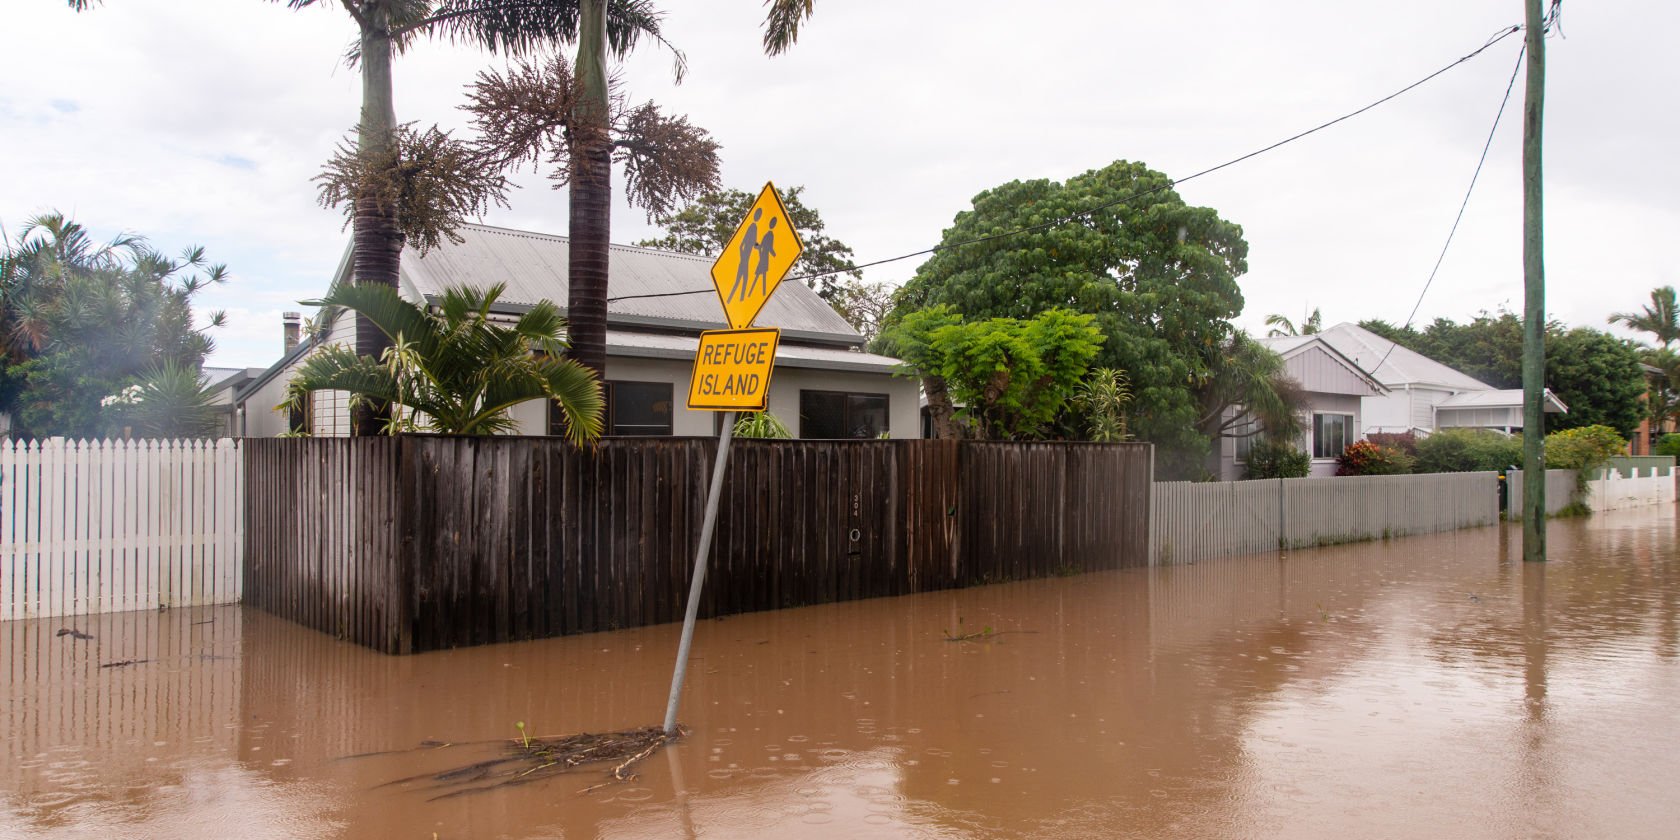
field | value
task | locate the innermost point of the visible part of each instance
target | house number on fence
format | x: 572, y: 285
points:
x: 732, y: 369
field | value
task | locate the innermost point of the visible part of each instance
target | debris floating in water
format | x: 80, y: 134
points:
x: 524, y: 760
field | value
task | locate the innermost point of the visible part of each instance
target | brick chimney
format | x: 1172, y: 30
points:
x: 292, y: 324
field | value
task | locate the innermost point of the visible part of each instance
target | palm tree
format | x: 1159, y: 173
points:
x: 454, y: 370
x: 1281, y: 325
x: 1661, y: 318
x: 590, y: 196
x: 1250, y: 379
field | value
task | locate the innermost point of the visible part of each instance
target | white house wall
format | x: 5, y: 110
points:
x: 1318, y: 372
x: 904, y: 417
x: 1401, y: 409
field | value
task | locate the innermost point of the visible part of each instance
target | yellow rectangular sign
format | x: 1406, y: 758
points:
x: 732, y: 370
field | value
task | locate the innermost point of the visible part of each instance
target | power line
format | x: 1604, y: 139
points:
x: 1495, y: 39
x: 1465, y: 203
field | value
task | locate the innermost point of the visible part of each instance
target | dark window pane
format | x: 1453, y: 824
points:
x: 1330, y: 434
x: 822, y: 414
x: 840, y: 415
x: 641, y: 408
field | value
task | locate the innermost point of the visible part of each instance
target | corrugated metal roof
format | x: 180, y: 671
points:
x: 1393, y: 365
x: 1507, y: 398
x: 534, y: 267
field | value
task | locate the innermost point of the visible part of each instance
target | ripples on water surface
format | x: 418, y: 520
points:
x: 1427, y: 687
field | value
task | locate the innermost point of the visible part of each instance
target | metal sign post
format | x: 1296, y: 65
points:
x: 732, y: 371
x: 699, y: 581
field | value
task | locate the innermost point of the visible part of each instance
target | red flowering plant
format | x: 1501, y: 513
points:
x: 1362, y: 457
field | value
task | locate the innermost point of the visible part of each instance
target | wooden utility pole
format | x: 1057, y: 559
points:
x: 1534, y: 294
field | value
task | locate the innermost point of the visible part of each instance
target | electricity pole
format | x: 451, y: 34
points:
x: 1534, y: 294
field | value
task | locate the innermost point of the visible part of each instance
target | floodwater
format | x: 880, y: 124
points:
x: 1425, y: 687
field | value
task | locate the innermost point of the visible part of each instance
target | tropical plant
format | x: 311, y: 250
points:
x: 456, y: 369
x: 1157, y: 275
x: 1003, y: 378
x: 1583, y: 448
x: 1467, y: 450
x: 1275, y: 459
x: 762, y: 425
x: 1406, y: 441
x: 1247, y: 391
x: 1281, y: 325
x: 169, y: 401
x: 1363, y: 457
x: 1101, y: 402
x: 81, y: 320
x: 1660, y: 318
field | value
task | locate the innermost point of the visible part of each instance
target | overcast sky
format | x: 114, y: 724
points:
x: 202, y: 121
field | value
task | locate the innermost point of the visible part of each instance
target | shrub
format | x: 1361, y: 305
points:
x: 1582, y: 449
x: 1275, y: 460
x: 1668, y: 445
x: 1467, y: 450
x: 1363, y: 457
x: 761, y: 424
x: 1406, y: 442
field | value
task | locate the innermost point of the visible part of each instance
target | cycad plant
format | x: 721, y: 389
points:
x: 452, y: 369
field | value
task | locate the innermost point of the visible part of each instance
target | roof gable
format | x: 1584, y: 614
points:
x: 653, y: 288
x: 1320, y: 368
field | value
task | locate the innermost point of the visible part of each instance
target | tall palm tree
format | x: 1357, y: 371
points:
x: 590, y: 188
x: 1661, y: 318
x: 455, y: 370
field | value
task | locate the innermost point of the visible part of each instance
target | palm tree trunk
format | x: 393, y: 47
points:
x: 377, y: 240
x: 590, y: 226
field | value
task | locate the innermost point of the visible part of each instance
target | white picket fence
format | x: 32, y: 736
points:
x: 1194, y: 520
x: 1612, y: 489
x: 112, y: 525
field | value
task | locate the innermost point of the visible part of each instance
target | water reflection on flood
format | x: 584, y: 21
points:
x: 1427, y: 687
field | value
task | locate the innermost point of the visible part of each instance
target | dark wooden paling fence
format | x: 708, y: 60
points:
x: 421, y: 543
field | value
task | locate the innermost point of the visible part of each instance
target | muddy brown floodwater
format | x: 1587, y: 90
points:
x: 1425, y: 687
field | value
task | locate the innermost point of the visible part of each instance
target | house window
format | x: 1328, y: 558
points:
x: 633, y: 409
x: 1244, y: 435
x: 838, y: 414
x: 1331, y: 434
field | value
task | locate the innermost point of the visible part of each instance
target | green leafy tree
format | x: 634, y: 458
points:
x: 705, y: 227
x: 456, y: 370
x: 1668, y: 445
x: 81, y: 321
x: 1004, y: 378
x: 1599, y: 377
x: 1157, y: 276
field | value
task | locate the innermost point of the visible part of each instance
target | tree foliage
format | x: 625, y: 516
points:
x: 705, y: 227
x: 169, y: 401
x: 1006, y: 378
x: 1583, y: 447
x: 1660, y: 318
x: 81, y: 321
x: 1467, y: 450
x: 1281, y: 325
x: 1157, y: 276
x: 1248, y: 392
x: 457, y: 370
x: 1275, y: 459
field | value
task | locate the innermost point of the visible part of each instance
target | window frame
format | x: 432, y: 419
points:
x: 846, y: 410
x: 1347, y: 433
x: 609, y: 412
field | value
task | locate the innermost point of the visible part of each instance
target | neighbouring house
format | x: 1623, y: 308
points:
x: 1422, y: 394
x: 823, y: 384
x: 1335, y: 388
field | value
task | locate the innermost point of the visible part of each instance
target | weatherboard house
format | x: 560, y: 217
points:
x: 823, y: 385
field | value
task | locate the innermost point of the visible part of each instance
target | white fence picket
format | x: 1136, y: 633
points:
x: 112, y: 525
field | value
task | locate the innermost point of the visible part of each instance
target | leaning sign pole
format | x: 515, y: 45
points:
x: 732, y: 371
x: 1534, y: 294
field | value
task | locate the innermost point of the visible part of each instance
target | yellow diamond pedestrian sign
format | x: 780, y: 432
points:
x: 732, y: 370
x: 758, y: 255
